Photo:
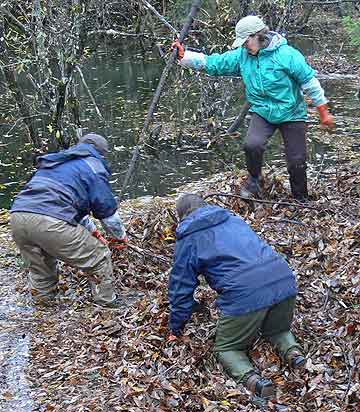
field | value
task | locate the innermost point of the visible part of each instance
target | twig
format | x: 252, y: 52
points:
x: 319, y: 172
x: 112, y: 32
x: 7, y: 13
x: 292, y: 221
x: 270, y: 202
x: 20, y: 119
x: 339, y: 52
x: 145, y: 252
x: 102, y: 86
x: 89, y: 93
x: 161, y: 18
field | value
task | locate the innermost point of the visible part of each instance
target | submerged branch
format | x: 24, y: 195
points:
x: 89, y: 93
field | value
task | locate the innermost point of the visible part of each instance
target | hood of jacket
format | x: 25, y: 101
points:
x: 276, y: 41
x: 201, y: 219
x: 79, y: 151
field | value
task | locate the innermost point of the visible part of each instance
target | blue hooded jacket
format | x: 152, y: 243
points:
x: 247, y: 273
x: 68, y: 185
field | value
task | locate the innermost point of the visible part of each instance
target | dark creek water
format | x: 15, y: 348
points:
x: 123, y: 79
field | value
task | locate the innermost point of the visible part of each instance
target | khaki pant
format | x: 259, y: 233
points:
x: 235, y: 334
x: 43, y: 239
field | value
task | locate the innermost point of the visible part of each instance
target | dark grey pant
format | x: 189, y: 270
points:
x: 294, y: 137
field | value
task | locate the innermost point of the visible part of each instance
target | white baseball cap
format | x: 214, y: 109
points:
x: 245, y: 27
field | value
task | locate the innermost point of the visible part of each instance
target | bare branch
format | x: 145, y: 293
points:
x: 161, y: 18
x: 89, y: 93
x: 18, y: 23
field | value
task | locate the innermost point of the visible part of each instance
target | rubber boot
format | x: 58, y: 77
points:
x: 298, y: 182
x: 253, y: 187
x: 261, y: 387
x: 295, y: 359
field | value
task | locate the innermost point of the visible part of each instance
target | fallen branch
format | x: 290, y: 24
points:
x: 270, y: 202
x: 89, y: 93
x: 146, y: 253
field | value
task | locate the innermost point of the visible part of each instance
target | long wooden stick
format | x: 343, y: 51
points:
x: 193, y: 12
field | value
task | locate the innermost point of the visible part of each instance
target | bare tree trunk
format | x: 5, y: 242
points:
x: 10, y: 76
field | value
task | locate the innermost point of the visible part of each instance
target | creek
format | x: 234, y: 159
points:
x: 123, y: 76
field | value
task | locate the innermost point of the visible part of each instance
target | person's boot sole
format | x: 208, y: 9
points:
x: 299, y: 364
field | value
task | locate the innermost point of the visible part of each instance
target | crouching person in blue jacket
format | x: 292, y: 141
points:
x: 256, y: 288
x: 50, y: 222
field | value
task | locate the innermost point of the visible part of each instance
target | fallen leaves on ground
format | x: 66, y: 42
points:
x: 84, y: 358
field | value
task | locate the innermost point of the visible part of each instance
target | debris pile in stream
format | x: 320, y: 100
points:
x: 87, y: 359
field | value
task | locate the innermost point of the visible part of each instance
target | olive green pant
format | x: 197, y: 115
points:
x: 235, y: 335
x: 43, y: 239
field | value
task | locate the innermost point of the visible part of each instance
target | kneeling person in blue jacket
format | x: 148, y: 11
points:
x: 49, y: 219
x: 256, y: 288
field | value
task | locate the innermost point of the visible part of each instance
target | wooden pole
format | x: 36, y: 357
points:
x: 142, y: 138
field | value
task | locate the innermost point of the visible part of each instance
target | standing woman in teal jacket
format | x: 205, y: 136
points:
x: 276, y: 76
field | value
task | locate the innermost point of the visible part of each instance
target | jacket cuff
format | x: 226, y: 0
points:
x: 114, y: 227
x: 313, y: 89
x: 88, y: 223
x: 193, y: 60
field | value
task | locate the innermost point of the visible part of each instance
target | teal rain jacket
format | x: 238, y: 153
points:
x: 273, y: 78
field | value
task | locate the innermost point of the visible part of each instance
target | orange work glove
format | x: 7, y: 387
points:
x: 172, y: 338
x: 118, y: 244
x: 100, y: 237
x: 180, y: 49
x: 326, y: 119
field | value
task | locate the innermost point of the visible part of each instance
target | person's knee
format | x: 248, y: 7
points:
x: 253, y: 146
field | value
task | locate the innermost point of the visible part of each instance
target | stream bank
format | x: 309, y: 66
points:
x: 73, y: 356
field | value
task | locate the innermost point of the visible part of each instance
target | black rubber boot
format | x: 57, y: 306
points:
x: 261, y: 387
x: 298, y: 182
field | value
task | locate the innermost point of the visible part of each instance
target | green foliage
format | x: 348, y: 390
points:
x: 352, y: 26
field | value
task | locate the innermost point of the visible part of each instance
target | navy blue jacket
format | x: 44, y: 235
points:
x: 68, y: 185
x: 246, y: 272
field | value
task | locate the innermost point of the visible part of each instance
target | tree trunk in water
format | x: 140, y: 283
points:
x: 19, y: 97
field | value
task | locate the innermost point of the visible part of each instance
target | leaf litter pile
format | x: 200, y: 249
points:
x: 84, y: 358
